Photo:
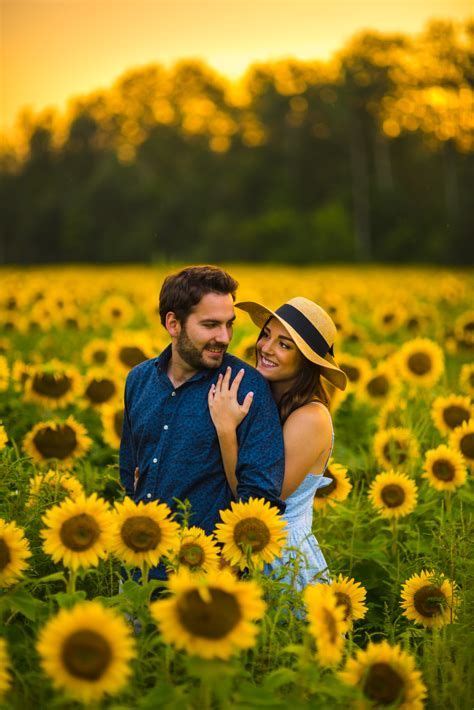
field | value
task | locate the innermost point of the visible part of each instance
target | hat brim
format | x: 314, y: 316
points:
x: 331, y: 370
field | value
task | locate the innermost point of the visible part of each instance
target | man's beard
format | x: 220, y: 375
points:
x: 191, y: 355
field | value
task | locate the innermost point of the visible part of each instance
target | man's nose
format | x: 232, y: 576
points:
x: 224, y: 335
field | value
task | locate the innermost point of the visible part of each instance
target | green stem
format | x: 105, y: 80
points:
x: 145, y: 569
x: 71, y: 582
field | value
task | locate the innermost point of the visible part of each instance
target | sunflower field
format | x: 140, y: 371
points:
x: 80, y: 626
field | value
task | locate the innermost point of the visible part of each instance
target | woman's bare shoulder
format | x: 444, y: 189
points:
x: 312, y: 414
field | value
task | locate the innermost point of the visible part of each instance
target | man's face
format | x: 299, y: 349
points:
x: 204, y: 338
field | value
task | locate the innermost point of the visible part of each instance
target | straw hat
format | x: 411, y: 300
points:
x: 311, y: 328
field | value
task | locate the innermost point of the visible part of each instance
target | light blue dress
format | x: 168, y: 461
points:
x: 302, y: 561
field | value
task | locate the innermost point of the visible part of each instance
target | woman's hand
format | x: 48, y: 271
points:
x: 225, y: 410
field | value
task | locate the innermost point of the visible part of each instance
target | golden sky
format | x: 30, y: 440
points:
x: 54, y: 49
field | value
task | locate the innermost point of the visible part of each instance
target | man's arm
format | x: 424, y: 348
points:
x: 261, y: 459
x: 127, y: 458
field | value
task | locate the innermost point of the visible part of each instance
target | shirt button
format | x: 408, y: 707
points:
x: 173, y: 394
x: 148, y: 495
x: 155, y: 460
x: 165, y: 427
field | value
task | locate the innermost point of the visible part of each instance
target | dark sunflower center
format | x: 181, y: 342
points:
x: 383, y: 684
x: 99, y: 356
x: 454, y: 415
x: 55, y: 443
x: 388, y: 318
x: 419, y: 363
x: 444, y: 470
x: 469, y: 327
x: 5, y: 556
x: 253, y: 533
x: 378, y: 386
x: 140, y: 533
x: 191, y: 554
x: 86, y: 655
x: 344, y: 600
x: 467, y: 446
x: 118, y: 422
x: 213, y: 619
x: 99, y: 391
x: 413, y: 323
x: 327, y: 490
x: 116, y: 312
x: 331, y: 625
x: 394, y: 452
x: 429, y: 600
x: 131, y: 356
x: 71, y: 322
x: 50, y: 385
x: 353, y: 373
x: 392, y: 495
x: 80, y: 532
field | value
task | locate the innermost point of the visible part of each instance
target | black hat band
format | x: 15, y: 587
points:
x: 305, y: 329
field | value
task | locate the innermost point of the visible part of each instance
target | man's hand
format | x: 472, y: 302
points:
x: 225, y: 410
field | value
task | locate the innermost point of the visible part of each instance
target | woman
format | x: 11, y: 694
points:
x: 293, y: 351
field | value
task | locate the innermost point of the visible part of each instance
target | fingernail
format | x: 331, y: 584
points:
x: 251, y: 394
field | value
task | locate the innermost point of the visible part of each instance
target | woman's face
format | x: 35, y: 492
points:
x: 278, y: 358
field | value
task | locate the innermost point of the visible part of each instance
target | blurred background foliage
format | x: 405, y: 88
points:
x: 366, y: 157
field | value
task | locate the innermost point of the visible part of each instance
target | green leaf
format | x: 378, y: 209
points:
x: 20, y: 600
x: 66, y: 600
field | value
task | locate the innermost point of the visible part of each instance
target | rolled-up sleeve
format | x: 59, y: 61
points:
x: 261, y: 459
x: 127, y: 458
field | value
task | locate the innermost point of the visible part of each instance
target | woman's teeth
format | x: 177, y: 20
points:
x: 267, y: 363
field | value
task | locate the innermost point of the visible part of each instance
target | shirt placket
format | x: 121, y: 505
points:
x: 166, y: 425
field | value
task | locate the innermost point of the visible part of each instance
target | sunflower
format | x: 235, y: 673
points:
x: 378, y: 384
x: 4, y: 374
x: 351, y: 596
x: 61, y: 441
x: 99, y: 387
x: 209, y: 615
x: 78, y: 532
x: 379, y: 351
x: 116, y: 311
x: 392, y: 414
x: 53, y: 482
x: 86, y: 651
x: 462, y: 439
x: 451, y: 411
x: 96, y: 353
x: 336, y: 396
x: 112, y: 422
x: 395, y: 447
x: 388, y: 318
x: 5, y: 346
x: 420, y: 362
x: 337, y: 490
x: 197, y: 551
x: 4, y: 664
x: 464, y: 329
x: 245, y: 350
x: 429, y: 600
x: 130, y: 348
x: 251, y: 531
x: 393, y: 494
x: 326, y: 622
x: 444, y: 468
x: 53, y: 384
x: 3, y: 437
x: 466, y: 378
x: 356, y: 368
x: 385, y: 675
x: 14, y: 551
x: 20, y: 373
x: 142, y: 533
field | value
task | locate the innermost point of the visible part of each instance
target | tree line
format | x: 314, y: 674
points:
x: 366, y: 157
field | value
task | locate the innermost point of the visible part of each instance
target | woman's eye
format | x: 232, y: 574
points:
x: 285, y: 346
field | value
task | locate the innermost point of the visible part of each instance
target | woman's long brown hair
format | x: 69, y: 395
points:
x: 307, y: 387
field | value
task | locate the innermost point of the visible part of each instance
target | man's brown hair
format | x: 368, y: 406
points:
x: 182, y: 291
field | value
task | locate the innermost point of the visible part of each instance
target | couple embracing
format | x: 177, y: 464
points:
x: 203, y: 426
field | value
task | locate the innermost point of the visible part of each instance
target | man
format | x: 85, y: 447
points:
x: 168, y: 434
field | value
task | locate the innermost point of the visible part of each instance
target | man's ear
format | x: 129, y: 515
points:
x: 172, y: 324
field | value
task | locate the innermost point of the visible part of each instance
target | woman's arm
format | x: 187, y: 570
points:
x: 227, y: 413
x: 307, y: 435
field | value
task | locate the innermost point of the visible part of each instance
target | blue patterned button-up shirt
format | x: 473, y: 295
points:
x: 169, y: 435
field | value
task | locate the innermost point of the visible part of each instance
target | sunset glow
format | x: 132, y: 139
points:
x: 55, y: 50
